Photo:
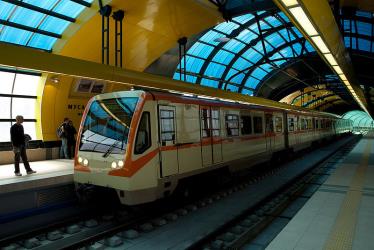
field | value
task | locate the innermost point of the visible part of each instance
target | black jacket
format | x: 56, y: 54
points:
x: 17, y: 135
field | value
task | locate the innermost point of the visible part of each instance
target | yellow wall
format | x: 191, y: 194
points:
x: 150, y: 29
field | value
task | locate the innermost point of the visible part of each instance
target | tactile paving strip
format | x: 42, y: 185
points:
x: 342, y: 233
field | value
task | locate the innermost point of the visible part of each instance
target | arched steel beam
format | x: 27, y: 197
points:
x: 307, y: 93
x: 310, y: 103
x: 328, y: 102
x: 263, y: 61
x: 242, y: 51
x: 234, y: 33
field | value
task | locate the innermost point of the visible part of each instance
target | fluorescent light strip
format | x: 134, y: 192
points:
x: 303, y: 20
x: 343, y: 77
x: 320, y: 44
x: 330, y: 59
x: 289, y: 2
x: 305, y: 23
x: 338, y: 70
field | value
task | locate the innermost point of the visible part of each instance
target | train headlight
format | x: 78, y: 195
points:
x: 114, y: 165
x: 85, y: 162
x: 120, y: 164
x: 80, y: 159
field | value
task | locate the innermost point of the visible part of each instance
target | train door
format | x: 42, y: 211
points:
x: 167, y: 134
x: 211, y: 145
x: 269, y: 132
x: 216, y: 135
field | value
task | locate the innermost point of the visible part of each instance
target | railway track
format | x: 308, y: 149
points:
x: 119, y: 227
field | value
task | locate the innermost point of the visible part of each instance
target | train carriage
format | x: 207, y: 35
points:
x: 143, y: 143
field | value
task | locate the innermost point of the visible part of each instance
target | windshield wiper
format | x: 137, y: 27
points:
x: 110, y: 149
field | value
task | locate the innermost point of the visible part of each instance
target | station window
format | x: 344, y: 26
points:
x: 246, y: 126
x: 232, y: 125
x: 278, y: 124
x: 143, y: 137
x: 257, y: 125
x: 18, y: 96
x: 167, y: 125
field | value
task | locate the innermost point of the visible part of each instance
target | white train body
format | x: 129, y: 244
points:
x: 143, y: 143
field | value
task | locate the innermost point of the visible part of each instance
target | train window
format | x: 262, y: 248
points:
x: 309, y: 123
x: 246, y: 126
x: 232, y: 125
x: 205, y: 123
x: 167, y: 125
x: 278, y: 124
x: 291, y: 124
x: 215, y: 122
x: 143, y: 137
x: 269, y: 123
x: 257, y: 125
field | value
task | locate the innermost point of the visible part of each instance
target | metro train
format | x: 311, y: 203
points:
x: 143, y: 143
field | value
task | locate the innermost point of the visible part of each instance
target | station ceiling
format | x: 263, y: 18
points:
x: 246, y: 46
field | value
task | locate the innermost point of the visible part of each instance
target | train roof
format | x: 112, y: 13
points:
x: 245, y: 101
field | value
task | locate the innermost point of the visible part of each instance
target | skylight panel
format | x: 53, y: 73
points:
x: 273, y: 21
x: 223, y: 57
x: 232, y: 88
x: 194, y: 64
x: 68, y: 8
x: 209, y: 83
x: 230, y: 73
x: 247, y: 92
x: 275, y: 39
x: 5, y: 10
x: 14, y: 35
x: 364, y: 44
x: 259, y: 73
x: 244, y: 18
x: 251, y: 83
x: 27, y: 17
x: 55, y: 25
x: 214, y: 70
x: 234, y: 46
x: 252, y: 55
x: 226, y: 27
x: 210, y: 37
x: 246, y: 36
x: 364, y: 28
x: 200, y: 49
x: 42, y: 3
x: 237, y: 78
x: 42, y: 42
x: 241, y: 64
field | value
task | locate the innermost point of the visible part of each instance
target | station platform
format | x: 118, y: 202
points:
x: 50, y: 172
x: 340, y: 214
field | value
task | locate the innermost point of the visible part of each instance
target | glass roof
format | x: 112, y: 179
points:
x: 359, y: 118
x: 359, y: 31
x: 37, y: 23
x: 238, y: 55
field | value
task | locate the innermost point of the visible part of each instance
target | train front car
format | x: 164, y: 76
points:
x: 114, y: 144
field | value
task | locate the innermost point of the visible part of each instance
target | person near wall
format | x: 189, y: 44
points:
x: 17, y: 136
x: 70, y: 134
x: 62, y: 133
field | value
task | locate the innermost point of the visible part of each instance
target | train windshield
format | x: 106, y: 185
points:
x: 107, y: 125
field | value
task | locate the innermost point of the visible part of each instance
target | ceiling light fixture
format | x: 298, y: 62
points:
x: 299, y: 15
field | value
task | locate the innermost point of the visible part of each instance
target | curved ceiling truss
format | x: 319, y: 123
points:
x: 238, y: 55
x: 360, y: 119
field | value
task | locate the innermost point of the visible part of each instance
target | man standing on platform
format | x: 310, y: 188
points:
x: 17, y: 136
